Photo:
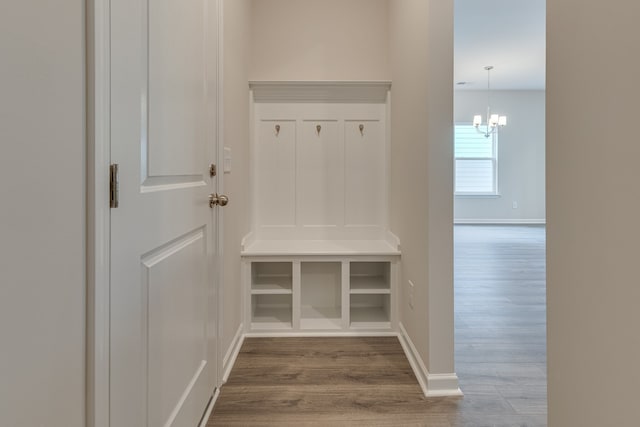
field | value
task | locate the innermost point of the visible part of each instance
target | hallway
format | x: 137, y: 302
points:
x: 500, y: 355
x: 500, y: 298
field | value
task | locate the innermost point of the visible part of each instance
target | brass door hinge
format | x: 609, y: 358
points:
x: 113, y: 186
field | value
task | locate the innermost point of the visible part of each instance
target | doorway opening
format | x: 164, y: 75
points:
x: 499, y: 207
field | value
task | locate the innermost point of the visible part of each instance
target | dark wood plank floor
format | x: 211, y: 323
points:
x: 500, y: 355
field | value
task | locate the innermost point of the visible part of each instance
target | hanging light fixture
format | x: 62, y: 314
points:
x: 493, y: 120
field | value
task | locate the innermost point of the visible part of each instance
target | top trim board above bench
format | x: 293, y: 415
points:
x: 320, y: 91
x: 320, y: 247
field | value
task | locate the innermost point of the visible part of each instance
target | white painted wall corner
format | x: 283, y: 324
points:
x: 432, y: 385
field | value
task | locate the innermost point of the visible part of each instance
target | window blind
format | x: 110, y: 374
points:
x: 475, y: 161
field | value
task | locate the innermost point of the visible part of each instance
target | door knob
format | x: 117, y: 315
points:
x: 218, y: 199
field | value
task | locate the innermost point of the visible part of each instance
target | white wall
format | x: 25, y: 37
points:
x: 521, y: 155
x: 236, y: 39
x: 42, y: 213
x: 422, y: 171
x: 593, y: 206
x: 319, y: 40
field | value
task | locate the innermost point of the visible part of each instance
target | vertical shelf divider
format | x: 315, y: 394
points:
x: 296, y: 296
x: 393, y: 278
x: 346, y: 285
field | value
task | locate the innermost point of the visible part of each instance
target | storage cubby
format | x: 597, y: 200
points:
x: 370, y: 294
x: 370, y: 311
x: 271, y: 311
x: 271, y: 277
x: 321, y: 295
x: 369, y: 278
x: 271, y: 295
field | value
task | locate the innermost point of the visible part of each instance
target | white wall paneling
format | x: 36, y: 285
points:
x: 365, y: 184
x: 321, y: 168
x: 275, y: 153
x: 319, y: 174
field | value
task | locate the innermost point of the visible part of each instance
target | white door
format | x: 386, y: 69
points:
x: 163, y: 237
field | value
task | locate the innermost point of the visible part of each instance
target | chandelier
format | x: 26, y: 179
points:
x: 493, y: 120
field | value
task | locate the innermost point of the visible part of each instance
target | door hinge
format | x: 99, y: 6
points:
x: 212, y: 170
x: 113, y: 186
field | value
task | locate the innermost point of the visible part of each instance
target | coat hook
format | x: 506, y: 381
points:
x: 318, y: 129
x: 277, y: 130
x: 361, y: 129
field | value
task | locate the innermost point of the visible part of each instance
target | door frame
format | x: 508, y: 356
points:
x: 97, y: 36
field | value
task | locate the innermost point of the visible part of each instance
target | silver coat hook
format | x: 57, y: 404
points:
x: 277, y: 130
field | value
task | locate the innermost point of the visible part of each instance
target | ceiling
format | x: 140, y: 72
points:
x: 508, y: 34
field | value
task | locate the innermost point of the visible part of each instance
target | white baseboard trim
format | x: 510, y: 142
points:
x: 209, y: 410
x: 501, y: 221
x: 232, y: 353
x: 432, y: 385
x: 312, y: 334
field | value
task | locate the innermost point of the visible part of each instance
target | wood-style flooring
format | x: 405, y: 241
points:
x: 500, y: 355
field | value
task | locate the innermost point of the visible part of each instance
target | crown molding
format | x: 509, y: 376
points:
x: 320, y: 91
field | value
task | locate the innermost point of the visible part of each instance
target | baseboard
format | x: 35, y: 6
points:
x: 501, y: 221
x: 207, y: 413
x: 232, y: 353
x: 432, y: 385
x: 311, y: 334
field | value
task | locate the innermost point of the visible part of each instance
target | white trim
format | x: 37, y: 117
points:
x: 415, y: 361
x: 477, y: 195
x: 443, y: 385
x: 98, y: 212
x: 312, y: 334
x: 320, y: 91
x: 393, y: 240
x: 432, y: 385
x: 219, y: 148
x: 247, y: 241
x: 500, y: 221
x: 232, y: 353
x: 207, y: 413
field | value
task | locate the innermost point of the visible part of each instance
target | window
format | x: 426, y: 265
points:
x: 476, y: 162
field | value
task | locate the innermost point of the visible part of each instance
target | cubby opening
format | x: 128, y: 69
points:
x: 271, y: 277
x: 369, y: 277
x: 370, y: 310
x: 271, y: 311
x: 321, y: 295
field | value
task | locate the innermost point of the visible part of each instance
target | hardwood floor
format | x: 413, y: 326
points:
x: 500, y: 355
x: 500, y: 309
